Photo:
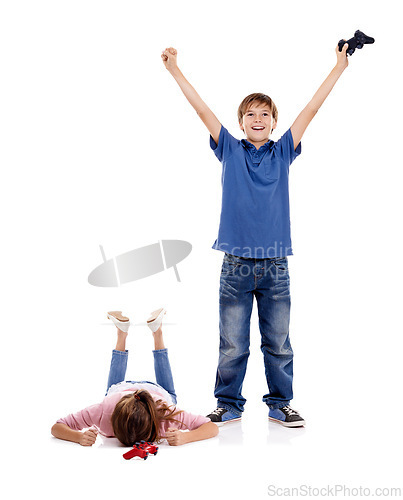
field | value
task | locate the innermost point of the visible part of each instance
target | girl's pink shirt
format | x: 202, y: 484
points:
x: 99, y: 416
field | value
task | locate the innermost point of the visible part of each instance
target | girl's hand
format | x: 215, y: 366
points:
x: 88, y: 437
x: 342, y: 60
x: 168, y: 57
x: 175, y: 437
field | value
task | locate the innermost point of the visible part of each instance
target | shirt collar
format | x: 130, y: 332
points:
x: 252, y: 148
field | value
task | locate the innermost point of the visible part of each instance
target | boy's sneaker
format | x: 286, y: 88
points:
x: 221, y: 416
x: 286, y: 416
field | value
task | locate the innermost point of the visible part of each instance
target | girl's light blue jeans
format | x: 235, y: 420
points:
x: 162, y: 368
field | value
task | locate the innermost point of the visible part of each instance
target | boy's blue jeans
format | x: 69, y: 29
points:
x: 162, y: 368
x: 268, y: 281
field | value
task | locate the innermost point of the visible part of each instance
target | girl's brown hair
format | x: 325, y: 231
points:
x: 137, y: 417
x: 259, y: 98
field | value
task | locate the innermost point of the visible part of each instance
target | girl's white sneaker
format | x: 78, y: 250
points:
x: 155, y: 320
x: 122, y: 322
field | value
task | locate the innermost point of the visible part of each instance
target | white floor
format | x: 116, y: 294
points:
x: 338, y: 449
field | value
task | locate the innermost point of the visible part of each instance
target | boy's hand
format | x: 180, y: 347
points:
x: 168, y: 57
x: 88, y: 437
x: 342, y: 60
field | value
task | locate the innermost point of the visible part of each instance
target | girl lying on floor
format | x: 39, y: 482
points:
x: 136, y: 411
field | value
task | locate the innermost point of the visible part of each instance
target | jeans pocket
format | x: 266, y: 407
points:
x: 281, y: 264
x: 229, y: 265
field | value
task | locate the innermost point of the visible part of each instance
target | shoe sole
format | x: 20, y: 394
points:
x: 301, y: 423
x: 154, y: 315
x: 118, y: 315
x: 220, y: 424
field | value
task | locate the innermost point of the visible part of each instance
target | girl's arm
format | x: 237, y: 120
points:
x: 305, y: 117
x: 207, y: 116
x: 176, y: 437
x: 63, y: 431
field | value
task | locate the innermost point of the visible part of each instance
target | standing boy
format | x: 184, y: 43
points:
x: 254, y: 233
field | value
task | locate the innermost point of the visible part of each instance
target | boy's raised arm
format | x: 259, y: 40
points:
x: 169, y: 58
x: 304, y: 118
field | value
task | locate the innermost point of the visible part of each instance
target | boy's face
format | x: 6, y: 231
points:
x: 257, y: 123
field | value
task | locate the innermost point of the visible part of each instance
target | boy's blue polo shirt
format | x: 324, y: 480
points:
x: 255, y: 212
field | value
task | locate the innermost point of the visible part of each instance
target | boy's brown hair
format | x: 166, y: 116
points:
x: 137, y: 417
x: 260, y: 99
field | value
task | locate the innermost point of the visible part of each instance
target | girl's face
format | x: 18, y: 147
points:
x: 257, y: 124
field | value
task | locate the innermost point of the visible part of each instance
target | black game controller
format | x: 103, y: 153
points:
x: 357, y: 42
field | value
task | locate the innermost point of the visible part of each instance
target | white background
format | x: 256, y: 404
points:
x: 99, y: 147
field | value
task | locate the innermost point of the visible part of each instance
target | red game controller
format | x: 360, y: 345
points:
x: 141, y: 449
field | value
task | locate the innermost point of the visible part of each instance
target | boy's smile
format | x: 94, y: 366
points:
x: 257, y: 124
